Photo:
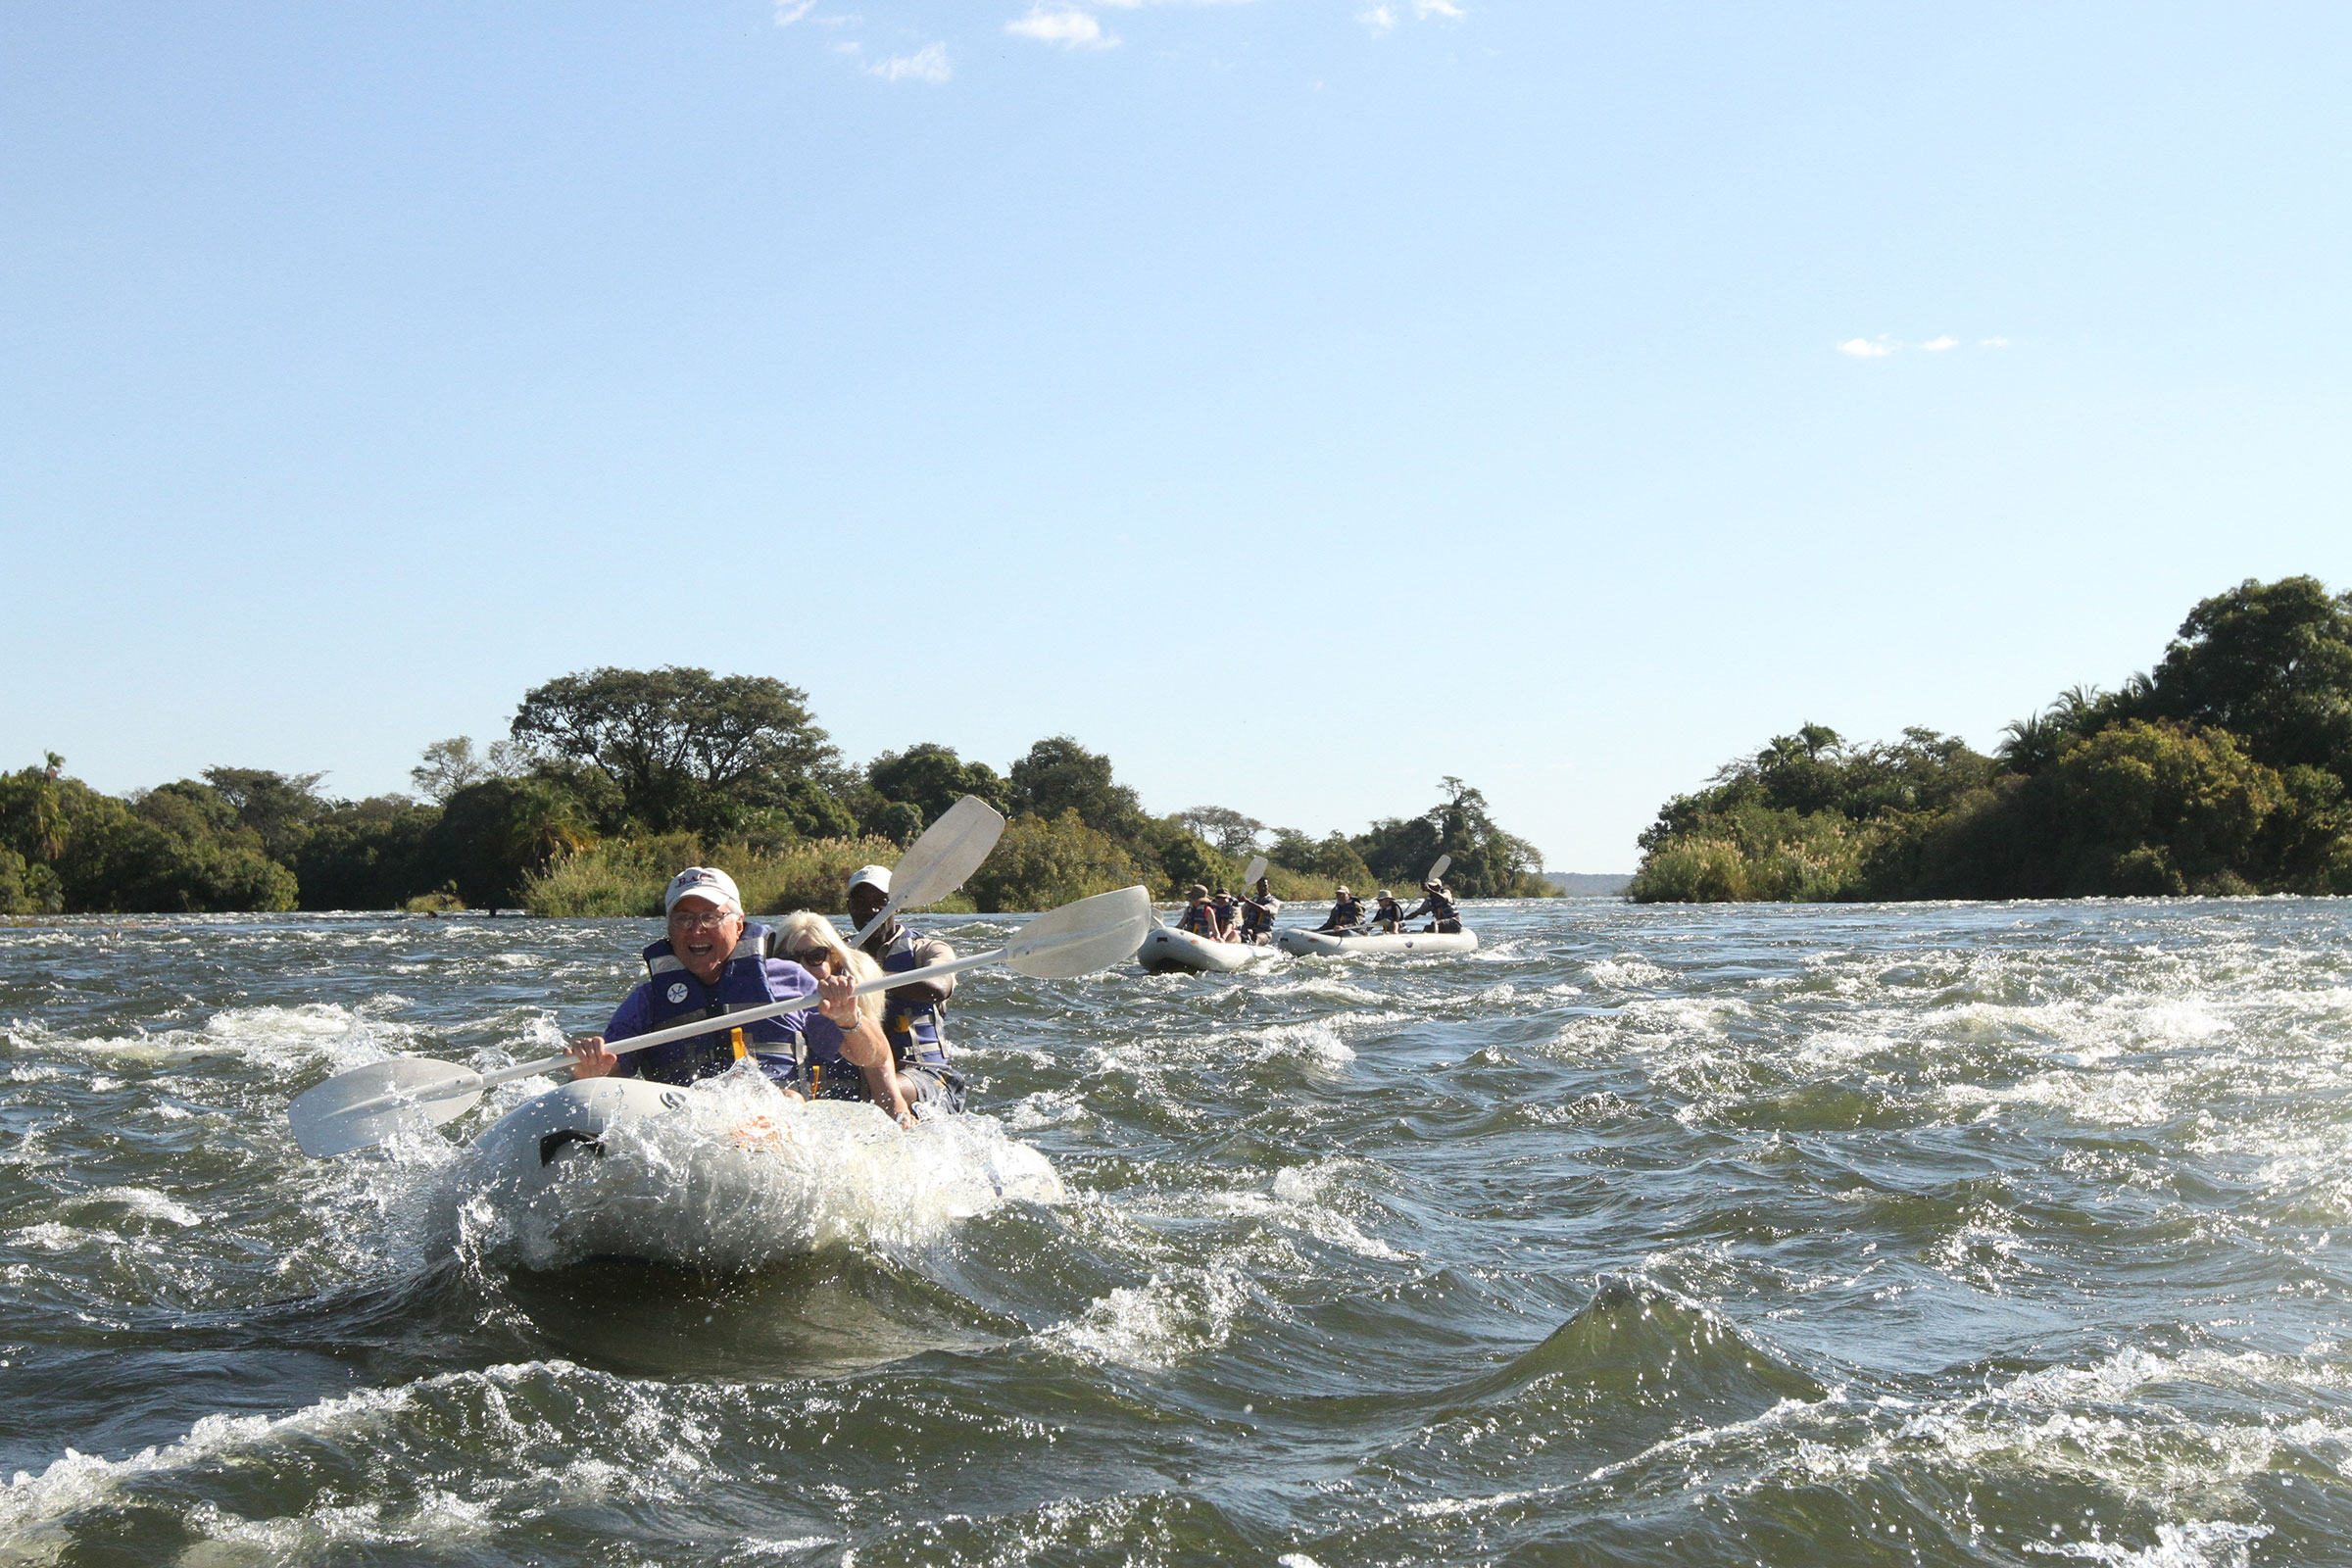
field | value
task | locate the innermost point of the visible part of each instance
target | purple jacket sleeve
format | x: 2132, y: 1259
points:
x: 634, y: 1014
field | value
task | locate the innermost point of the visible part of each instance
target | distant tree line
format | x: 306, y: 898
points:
x: 2222, y: 770
x: 609, y: 778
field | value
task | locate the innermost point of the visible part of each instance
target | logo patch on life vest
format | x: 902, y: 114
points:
x: 677, y: 991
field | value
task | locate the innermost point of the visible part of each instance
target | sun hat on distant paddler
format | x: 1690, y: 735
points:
x: 702, y: 882
x: 876, y: 877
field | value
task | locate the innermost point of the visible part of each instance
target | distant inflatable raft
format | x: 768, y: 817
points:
x: 728, y: 1174
x: 1324, y: 945
x: 1166, y: 949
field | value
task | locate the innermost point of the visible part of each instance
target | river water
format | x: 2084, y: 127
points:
x: 1925, y: 1234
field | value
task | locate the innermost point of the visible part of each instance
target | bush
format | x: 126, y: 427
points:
x: 1042, y: 864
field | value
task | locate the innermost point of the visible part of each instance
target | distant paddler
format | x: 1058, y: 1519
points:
x: 1386, y: 915
x: 914, y: 1017
x: 1228, y: 913
x: 1258, y: 914
x: 713, y: 962
x: 1201, y: 917
x: 1438, y: 906
x: 1346, y: 912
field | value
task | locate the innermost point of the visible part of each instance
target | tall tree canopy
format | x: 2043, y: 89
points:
x: 682, y: 748
x: 1487, y: 862
x: 1061, y: 775
x: 1227, y: 829
x: 931, y: 777
x: 2270, y: 663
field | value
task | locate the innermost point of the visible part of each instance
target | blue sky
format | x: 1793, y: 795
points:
x: 1296, y: 400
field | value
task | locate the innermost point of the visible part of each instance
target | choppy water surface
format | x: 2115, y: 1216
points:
x: 1975, y: 1234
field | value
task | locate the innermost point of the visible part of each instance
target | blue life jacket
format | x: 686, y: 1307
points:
x: 1194, y: 919
x: 918, y: 1035
x: 674, y: 996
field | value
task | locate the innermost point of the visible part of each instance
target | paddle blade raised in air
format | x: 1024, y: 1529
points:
x: 950, y: 850
x: 1083, y: 937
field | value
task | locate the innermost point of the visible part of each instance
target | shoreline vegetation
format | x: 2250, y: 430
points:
x: 612, y: 779
x: 2221, y: 771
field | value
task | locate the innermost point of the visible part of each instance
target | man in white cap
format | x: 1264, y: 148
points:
x: 1438, y: 904
x: 914, y: 1017
x: 712, y: 962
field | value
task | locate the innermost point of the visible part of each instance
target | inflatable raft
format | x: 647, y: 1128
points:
x: 1323, y: 943
x: 727, y: 1174
x: 1166, y: 949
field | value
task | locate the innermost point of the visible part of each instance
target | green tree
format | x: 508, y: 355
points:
x: 2162, y: 808
x: 682, y: 749
x: 367, y: 855
x: 1229, y: 830
x: 280, y: 807
x: 2270, y: 662
x: 930, y: 778
x: 1487, y: 862
x: 449, y: 765
x: 1061, y: 775
x: 493, y: 835
x: 1043, y: 863
x: 1331, y: 855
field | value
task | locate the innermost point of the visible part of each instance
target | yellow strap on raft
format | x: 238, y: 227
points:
x: 736, y: 1035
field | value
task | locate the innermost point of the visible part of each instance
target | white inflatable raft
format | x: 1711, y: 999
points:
x: 1166, y: 949
x: 1321, y: 944
x: 727, y: 1174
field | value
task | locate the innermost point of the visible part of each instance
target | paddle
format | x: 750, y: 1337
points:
x: 936, y: 865
x: 1256, y: 869
x: 368, y: 1105
x: 1437, y: 873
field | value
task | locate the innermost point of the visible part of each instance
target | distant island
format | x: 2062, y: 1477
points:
x: 1590, y: 884
x: 2222, y: 770
x: 612, y: 779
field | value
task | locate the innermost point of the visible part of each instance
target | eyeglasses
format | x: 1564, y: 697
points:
x: 809, y: 957
x: 699, y: 919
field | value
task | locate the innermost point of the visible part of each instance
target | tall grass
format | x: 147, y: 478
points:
x: 626, y: 876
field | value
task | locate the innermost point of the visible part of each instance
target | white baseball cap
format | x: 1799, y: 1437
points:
x: 702, y: 882
x: 876, y: 877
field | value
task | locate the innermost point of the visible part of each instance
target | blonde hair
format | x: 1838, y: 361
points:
x: 802, y: 928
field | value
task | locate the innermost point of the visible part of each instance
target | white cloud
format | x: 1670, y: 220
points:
x: 789, y: 11
x: 1072, y: 30
x: 1382, y: 18
x: 1992, y: 342
x: 1936, y: 345
x: 1863, y: 348
x: 927, y: 64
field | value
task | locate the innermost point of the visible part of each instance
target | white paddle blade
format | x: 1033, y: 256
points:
x: 361, y: 1107
x: 950, y: 850
x: 1436, y: 872
x: 1083, y: 937
x: 1258, y: 869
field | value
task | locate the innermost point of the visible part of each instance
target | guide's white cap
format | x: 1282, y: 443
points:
x: 876, y: 877
x: 702, y: 882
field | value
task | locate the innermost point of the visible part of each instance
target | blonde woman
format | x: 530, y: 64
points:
x: 809, y: 940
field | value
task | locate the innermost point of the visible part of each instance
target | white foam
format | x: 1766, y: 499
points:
x: 2191, y: 1544
x: 1158, y: 1323
x: 736, y: 1178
